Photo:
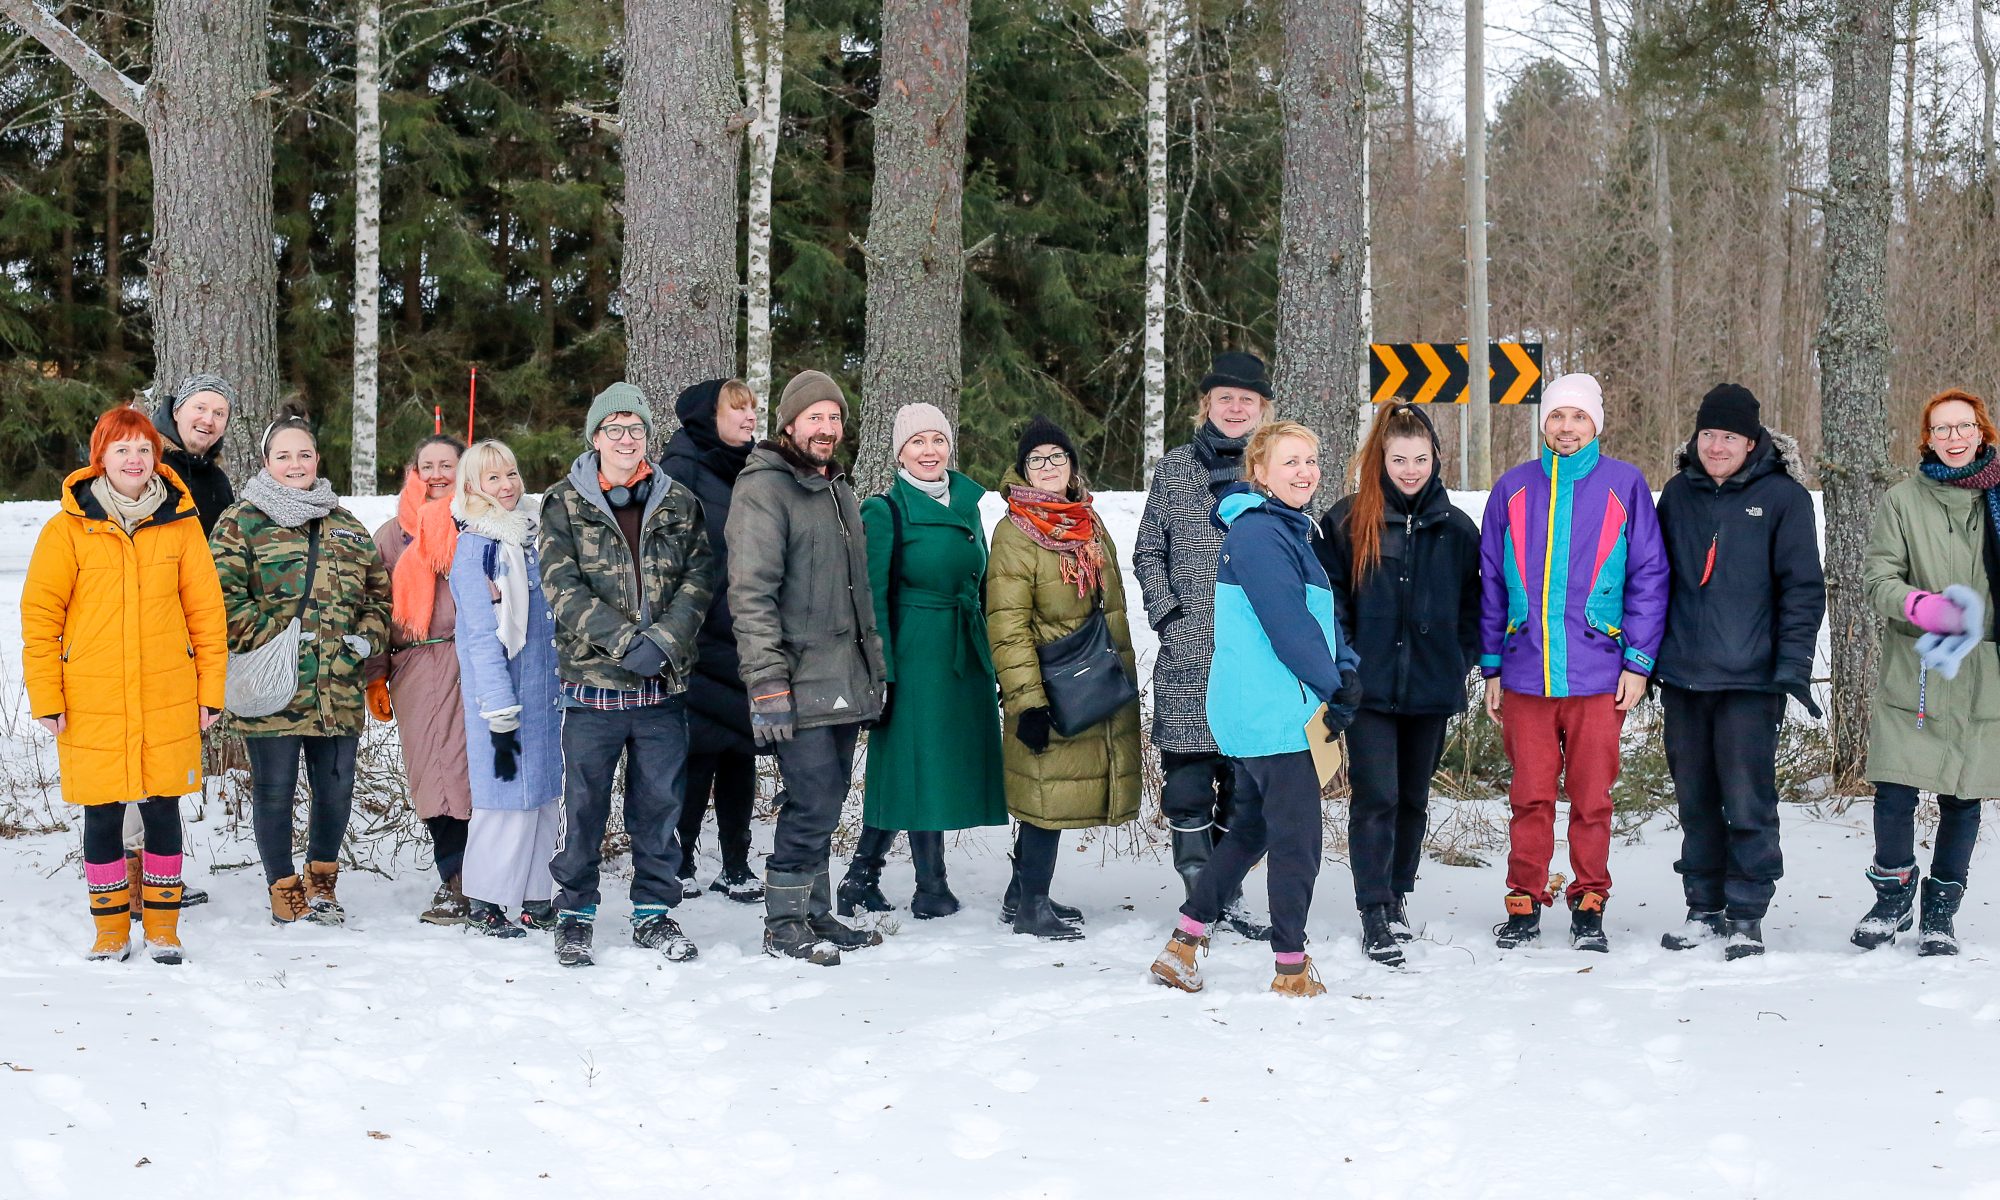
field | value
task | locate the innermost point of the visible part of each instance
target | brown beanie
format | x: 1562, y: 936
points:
x: 806, y: 389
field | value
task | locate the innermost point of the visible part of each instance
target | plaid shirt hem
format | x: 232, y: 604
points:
x: 582, y: 695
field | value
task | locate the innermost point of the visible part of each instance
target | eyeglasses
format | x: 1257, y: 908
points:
x: 1038, y: 462
x: 1964, y: 429
x: 622, y: 433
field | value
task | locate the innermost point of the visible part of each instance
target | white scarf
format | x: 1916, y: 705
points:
x: 129, y: 513
x: 510, y: 532
x: 939, y: 491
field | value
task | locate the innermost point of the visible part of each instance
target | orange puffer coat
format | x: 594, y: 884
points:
x: 125, y: 637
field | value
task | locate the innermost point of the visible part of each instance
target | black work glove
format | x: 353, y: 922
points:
x: 772, y: 719
x: 1344, y: 706
x: 1803, y: 694
x: 506, y: 753
x: 888, y: 702
x: 644, y: 659
x: 1349, y: 695
x: 1033, y: 728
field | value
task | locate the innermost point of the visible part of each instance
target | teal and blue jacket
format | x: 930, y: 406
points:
x: 1278, y: 653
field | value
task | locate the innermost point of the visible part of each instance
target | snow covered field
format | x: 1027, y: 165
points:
x: 389, y: 1059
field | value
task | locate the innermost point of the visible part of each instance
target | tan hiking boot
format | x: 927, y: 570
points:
x: 319, y: 881
x: 1301, y: 981
x: 1176, y: 966
x: 288, y: 901
x: 448, y: 904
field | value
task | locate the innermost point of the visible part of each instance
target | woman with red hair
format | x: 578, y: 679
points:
x: 127, y: 672
x: 1931, y: 571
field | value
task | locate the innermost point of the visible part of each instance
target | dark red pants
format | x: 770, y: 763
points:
x: 1571, y: 743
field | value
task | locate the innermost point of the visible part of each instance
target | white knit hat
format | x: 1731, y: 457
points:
x: 1578, y: 391
x: 913, y: 419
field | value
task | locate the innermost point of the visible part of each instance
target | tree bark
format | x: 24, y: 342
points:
x: 1155, y: 17
x: 764, y: 78
x: 1854, y: 355
x: 1983, y: 50
x: 367, y: 244
x: 676, y: 110
x: 916, y: 248
x: 1321, y: 262
x: 1915, y: 10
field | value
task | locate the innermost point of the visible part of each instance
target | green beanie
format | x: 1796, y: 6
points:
x: 619, y: 397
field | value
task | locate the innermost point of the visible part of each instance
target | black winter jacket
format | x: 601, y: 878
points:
x: 1748, y: 595
x: 718, y: 705
x: 206, y: 481
x: 1414, y: 619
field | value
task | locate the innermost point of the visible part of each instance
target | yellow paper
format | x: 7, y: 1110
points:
x: 1326, y: 754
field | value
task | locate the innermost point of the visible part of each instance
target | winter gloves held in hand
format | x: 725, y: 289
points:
x: 772, y: 718
x: 1033, y: 728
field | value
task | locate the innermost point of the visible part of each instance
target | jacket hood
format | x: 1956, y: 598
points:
x: 163, y: 420
x: 1239, y: 499
x: 78, y: 502
x: 1773, y: 452
x: 583, y: 477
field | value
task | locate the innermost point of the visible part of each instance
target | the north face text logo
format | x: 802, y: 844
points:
x: 1755, y: 510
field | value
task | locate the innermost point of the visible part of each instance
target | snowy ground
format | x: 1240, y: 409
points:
x: 392, y: 1059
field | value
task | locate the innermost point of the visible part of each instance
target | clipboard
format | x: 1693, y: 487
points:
x: 1326, y: 754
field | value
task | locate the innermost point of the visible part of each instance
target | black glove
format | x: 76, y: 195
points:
x: 1349, y: 695
x: 1033, y: 728
x: 888, y: 702
x: 1803, y: 694
x: 506, y: 753
x: 644, y: 659
x: 1344, y: 706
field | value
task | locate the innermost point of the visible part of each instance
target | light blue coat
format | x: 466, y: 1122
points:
x: 489, y: 681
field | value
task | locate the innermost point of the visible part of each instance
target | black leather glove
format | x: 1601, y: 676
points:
x: 1345, y: 704
x: 1033, y: 728
x: 1803, y: 694
x: 1349, y: 695
x: 506, y: 754
x: 644, y: 659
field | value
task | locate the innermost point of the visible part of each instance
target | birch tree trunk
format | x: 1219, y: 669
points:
x: 1854, y: 355
x: 915, y: 246
x: 677, y: 114
x: 1770, y: 354
x: 1156, y: 233
x: 1321, y: 260
x: 1983, y: 50
x: 764, y: 78
x: 1663, y: 276
x: 367, y: 243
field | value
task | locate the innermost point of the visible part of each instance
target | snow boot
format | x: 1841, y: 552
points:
x: 933, y: 898
x: 538, y: 915
x: 135, y: 875
x: 1523, y: 926
x: 1940, y: 905
x: 573, y: 933
x: 820, y: 919
x: 788, y: 932
x: 1036, y: 869
x: 1175, y: 966
x: 161, y: 924
x: 485, y: 917
x: 1399, y: 920
x: 110, y: 910
x: 738, y: 883
x: 690, y: 887
x: 1237, y: 919
x: 191, y: 896
x: 1027, y: 906
x: 320, y: 878
x: 1745, y: 939
x: 1378, y: 938
x: 448, y: 905
x: 1895, y: 893
x: 1011, y: 902
x: 288, y: 901
x: 1586, y: 924
x: 1038, y: 918
x: 1703, y: 925
x: 861, y: 887
x: 1298, y: 981
x: 655, y: 929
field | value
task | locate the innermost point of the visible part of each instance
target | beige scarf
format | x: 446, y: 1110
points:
x: 129, y: 513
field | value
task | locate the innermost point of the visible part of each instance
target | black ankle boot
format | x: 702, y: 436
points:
x: 1744, y: 939
x: 1895, y: 893
x: 1035, y: 864
x: 861, y: 887
x: 933, y: 897
x: 1378, y: 939
x: 1940, y: 905
x: 1523, y: 926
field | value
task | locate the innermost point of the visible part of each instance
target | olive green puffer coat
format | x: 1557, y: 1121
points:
x: 1093, y: 778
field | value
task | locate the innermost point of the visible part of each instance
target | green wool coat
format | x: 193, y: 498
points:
x: 1927, y: 535
x: 1093, y: 778
x: 934, y: 764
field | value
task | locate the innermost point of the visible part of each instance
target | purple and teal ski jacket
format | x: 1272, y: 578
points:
x: 1575, y: 576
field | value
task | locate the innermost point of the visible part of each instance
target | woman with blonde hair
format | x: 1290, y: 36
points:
x: 509, y: 693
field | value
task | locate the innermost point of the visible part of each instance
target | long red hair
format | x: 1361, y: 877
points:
x: 1987, y: 435
x: 1364, y: 516
x: 122, y: 424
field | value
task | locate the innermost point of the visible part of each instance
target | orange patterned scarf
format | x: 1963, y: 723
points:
x: 1068, y: 527
x: 433, y: 538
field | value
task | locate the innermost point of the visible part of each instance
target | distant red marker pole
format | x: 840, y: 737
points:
x: 471, y: 403
x: 437, y: 418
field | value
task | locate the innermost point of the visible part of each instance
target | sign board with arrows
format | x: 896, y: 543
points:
x: 1435, y: 372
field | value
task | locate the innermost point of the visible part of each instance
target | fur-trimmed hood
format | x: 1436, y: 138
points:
x: 1774, y: 451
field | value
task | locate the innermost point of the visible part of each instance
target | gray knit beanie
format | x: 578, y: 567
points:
x: 619, y: 397
x: 203, y: 382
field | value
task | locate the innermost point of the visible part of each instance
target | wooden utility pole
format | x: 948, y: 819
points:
x: 1475, y: 460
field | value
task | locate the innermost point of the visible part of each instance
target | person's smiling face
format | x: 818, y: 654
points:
x: 293, y: 459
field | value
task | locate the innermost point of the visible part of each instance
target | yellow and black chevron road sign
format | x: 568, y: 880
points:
x: 1434, y: 372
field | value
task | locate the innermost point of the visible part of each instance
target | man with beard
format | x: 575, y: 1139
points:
x: 811, y: 659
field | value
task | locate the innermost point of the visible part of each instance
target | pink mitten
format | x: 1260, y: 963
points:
x: 1933, y: 613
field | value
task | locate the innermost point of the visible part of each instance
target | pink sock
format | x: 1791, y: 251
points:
x: 99, y: 875
x: 1292, y: 958
x: 1192, y: 927
x: 163, y: 867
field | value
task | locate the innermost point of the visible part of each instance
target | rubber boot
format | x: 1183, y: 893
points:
x: 819, y: 915
x: 110, y: 910
x: 787, y: 915
x: 933, y: 897
x: 162, y: 920
x: 1191, y: 850
x: 1895, y: 893
x: 861, y: 887
x: 1940, y: 905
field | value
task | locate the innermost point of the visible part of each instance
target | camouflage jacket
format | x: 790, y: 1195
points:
x: 262, y: 566
x: 594, y: 593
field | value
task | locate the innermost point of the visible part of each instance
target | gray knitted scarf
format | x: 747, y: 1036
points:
x: 289, y: 506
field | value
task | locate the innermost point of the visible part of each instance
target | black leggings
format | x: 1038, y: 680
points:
x: 274, y: 786
x: 104, y: 829
x: 448, y: 836
x: 1896, y: 832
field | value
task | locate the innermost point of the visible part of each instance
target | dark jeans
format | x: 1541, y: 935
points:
x: 274, y: 786
x: 1276, y: 809
x: 1196, y: 792
x: 816, y: 768
x: 1896, y: 832
x: 653, y: 742
x: 732, y: 777
x: 104, y: 829
x: 448, y: 844
x: 1722, y: 748
x: 1390, y: 761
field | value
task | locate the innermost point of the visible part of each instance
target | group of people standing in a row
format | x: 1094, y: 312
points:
x: 678, y: 613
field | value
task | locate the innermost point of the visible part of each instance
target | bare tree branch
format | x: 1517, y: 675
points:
x: 116, y: 87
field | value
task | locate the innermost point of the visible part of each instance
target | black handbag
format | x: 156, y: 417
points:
x: 1083, y: 676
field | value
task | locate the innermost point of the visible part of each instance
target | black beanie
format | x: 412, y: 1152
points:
x: 1731, y: 408
x: 1234, y: 368
x: 1042, y: 432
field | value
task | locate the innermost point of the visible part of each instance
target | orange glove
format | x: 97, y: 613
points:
x: 378, y: 701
